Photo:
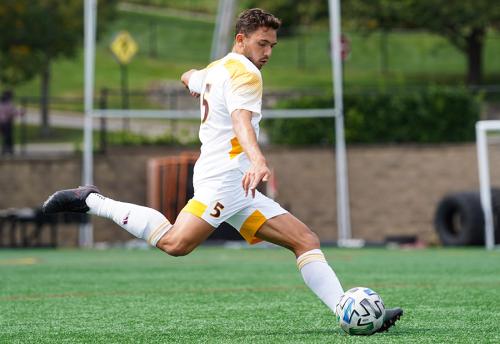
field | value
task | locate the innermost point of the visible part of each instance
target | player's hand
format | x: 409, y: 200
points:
x: 257, y: 173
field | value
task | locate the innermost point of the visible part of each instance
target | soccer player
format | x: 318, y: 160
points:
x: 228, y: 171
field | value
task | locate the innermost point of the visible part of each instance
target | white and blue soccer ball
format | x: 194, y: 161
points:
x: 360, y: 311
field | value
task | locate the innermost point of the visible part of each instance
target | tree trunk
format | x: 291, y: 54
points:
x: 475, y: 43
x: 44, y: 99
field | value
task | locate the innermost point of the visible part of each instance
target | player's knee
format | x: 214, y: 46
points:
x: 307, y: 240
x: 178, y: 251
x: 174, y: 244
x: 310, y: 240
x: 176, y: 248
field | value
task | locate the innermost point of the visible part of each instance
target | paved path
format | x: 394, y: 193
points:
x: 75, y: 120
x: 150, y: 127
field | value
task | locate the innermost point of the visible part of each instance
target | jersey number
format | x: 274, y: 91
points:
x: 217, y: 209
x: 205, y: 103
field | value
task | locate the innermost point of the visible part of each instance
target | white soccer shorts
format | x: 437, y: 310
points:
x: 217, y: 202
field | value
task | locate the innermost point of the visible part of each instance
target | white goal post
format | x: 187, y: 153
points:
x: 343, y: 213
x: 482, y: 129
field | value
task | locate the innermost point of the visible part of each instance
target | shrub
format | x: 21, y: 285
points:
x: 430, y: 115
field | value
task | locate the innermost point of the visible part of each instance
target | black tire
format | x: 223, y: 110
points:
x: 459, y: 219
x: 495, y: 204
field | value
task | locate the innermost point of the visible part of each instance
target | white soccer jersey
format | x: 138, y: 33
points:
x: 228, y: 84
x: 225, y: 85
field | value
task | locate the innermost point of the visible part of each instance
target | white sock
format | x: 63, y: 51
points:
x: 142, y: 222
x: 320, y: 277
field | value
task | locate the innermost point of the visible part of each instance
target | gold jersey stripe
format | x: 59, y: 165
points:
x: 158, y: 230
x: 309, y: 258
x: 236, y: 148
x: 213, y: 64
x: 195, y: 207
x: 242, y: 78
x: 251, y: 226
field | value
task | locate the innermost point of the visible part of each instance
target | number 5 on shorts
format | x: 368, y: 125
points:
x: 217, y: 209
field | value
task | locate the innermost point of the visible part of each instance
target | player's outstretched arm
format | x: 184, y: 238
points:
x: 195, y: 86
x: 258, y: 171
x: 186, y: 76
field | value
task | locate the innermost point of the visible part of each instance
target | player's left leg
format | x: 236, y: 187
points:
x: 289, y: 232
x: 187, y: 233
x: 178, y: 239
x: 142, y: 222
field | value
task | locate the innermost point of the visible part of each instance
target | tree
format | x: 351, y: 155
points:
x: 296, y: 18
x: 35, y: 33
x: 292, y: 13
x: 463, y: 23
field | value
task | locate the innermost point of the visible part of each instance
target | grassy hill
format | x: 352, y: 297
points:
x: 302, y: 62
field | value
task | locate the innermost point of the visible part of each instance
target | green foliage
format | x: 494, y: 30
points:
x: 293, y: 14
x: 132, y: 139
x: 32, y: 134
x: 199, y: 6
x: 462, y: 23
x: 375, y: 14
x: 35, y: 32
x: 454, y: 20
x: 433, y: 115
x: 428, y: 116
x: 303, y: 131
x: 299, y: 62
x: 458, y: 21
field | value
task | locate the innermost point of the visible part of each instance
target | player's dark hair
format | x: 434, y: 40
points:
x: 250, y: 20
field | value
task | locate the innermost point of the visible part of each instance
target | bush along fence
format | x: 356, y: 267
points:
x: 430, y: 115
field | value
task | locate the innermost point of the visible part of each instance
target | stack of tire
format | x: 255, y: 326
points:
x: 459, y: 219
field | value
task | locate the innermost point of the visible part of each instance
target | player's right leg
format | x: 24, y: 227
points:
x: 391, y: 316
x: 142, y: 222
x: 289, y: 232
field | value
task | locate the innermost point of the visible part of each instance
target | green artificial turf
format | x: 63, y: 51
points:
x: 218, y: 295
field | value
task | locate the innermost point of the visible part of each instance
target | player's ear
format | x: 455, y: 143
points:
x: 239, y: 38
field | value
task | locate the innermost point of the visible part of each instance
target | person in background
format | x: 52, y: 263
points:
x: 8, y: 112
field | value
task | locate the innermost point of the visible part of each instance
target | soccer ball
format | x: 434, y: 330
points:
x: 360, y: 311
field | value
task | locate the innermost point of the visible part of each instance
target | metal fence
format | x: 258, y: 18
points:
x: 176, y: 98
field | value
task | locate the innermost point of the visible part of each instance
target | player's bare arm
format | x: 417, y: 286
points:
x: 242, y: 126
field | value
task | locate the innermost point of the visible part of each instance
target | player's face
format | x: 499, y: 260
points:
x: 258, y: 45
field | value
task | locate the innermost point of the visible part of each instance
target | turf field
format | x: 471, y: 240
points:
x: 219, y: 295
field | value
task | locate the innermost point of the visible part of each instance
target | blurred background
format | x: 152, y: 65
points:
x: 417, y: 75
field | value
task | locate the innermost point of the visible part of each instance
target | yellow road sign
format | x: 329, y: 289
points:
x: 124, y: 47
